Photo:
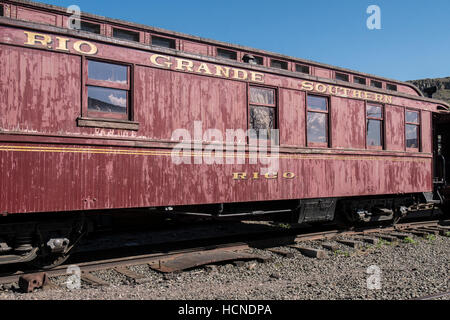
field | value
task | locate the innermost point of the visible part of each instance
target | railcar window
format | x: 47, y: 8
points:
x: 90, y: 27
x: 359, y: 80
x: 1, y: 11
x: 302, y: 69
x: 259, y: 60
x: 391, y: 87
x: 226, y: 54
x: 279, y: 64
x: 374, y: 127
x: 126, y: 35
x: 107, y: 72
x: 107, y: 100
x: 317, y: 121
x: 163, y: 42
x: 342, y: 77
x: 376, y: 84
x: 108, y: 89
x: 412, y: 123
x: 251, y: 59
x: 262, y: 112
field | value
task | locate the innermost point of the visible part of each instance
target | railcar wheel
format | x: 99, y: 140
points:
x: 55, y: 250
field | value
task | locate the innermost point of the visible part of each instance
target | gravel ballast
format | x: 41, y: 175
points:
x: 408, y: 270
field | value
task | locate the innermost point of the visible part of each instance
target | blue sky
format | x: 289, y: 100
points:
x: 414, y: 42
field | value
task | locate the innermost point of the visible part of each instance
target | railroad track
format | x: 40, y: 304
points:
x: 188, y: 258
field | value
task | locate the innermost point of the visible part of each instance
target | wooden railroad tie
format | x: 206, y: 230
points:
x: 398, y: 235
x: 351, y: 243
x: 369, y: 240
x: 330, y: 246
x: 386, y: 237
x: 429, y: 231
x: 418, y: 233
x: 442, y: 230
x: 93, y: 280
x: 312, y: 253
x: 282, y: 253
x: 137, y: 278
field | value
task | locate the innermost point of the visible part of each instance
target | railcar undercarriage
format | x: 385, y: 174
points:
x: 46, y: 242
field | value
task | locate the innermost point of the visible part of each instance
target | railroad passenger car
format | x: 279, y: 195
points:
x: 115, y: 115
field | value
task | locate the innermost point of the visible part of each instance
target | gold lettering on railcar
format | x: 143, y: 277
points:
x: 203, y: 68
x: 311, y: 86
x: 258, y: 176
x: 186, y: 65
x: 78, y: 46
x: 61, y: 44
x: 154, y: 60
x: 34, y: 38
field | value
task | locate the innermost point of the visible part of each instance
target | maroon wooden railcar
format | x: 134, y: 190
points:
x: 90, y: 119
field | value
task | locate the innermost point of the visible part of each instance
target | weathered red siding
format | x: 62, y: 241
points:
x: 292, y: 117
x: 167, y: 101
x: 72, y: 178
x: 36, y: 16
x: 395, y: 128
x: 194, y: 47
x: 348, y: 123
x: 39, y: 91
x: 426, y: 139
x: 322, y: 73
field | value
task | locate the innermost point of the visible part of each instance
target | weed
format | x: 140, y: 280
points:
x: 409, y: 240
x: 341, y: 252
x: 382, y: 242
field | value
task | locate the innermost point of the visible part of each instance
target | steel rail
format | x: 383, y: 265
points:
x: 264, y: 243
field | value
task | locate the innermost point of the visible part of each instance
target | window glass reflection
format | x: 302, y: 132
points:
x: 317, y: 127
x: 412, y: 136
x: 412, y: 117
x: 107, y: 100
x: 374, y: 133
x: 107, y: 72
x: 374, y: 112
x: 317, y: 103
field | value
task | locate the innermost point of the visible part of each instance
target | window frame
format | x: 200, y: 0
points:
x: 113, y: 28
x: 227, y: 50
x: 255, y: 56
x: 174, y: 41
x: 392, y: 85
x: 376, y: 81
x: 91, y: 23
x: 326, y: 144
x: 299, y: 65
x: 278, y: 60
x: 336, y: 73
x: 275, y: 106
x: 86, y: 113
x: 419, y: 130
x: 362, y: 78
x: 382, y: 129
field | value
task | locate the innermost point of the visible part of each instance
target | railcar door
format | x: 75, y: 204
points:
x: 441, y: 143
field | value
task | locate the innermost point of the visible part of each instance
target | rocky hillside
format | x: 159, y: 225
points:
x: 442, y: 85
